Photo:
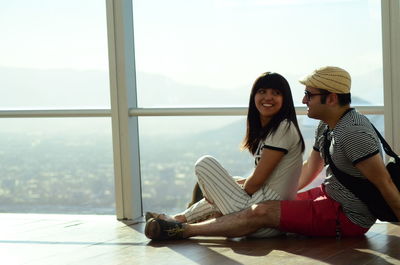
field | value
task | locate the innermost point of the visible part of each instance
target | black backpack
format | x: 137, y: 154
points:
x: 363, y: 189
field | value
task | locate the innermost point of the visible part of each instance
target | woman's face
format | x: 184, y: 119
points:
x: 268, y: 102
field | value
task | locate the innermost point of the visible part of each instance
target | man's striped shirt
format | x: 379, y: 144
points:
x: 352, y: 140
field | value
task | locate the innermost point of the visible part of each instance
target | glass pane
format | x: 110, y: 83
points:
x: 208, y: 53
x: 168, y: 156
x: 53, y: 55
x: 56, y: 166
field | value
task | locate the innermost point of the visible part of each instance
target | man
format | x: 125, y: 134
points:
x: 328, y: 210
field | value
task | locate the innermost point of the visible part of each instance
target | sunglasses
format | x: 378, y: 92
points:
x: 309, y: 95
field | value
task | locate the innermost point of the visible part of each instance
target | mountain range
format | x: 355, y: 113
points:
x: 68, y: 89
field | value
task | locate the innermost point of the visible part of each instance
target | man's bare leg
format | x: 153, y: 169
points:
x: 262, y: 215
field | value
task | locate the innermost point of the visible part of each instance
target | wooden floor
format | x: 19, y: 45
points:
x: 80, y: 239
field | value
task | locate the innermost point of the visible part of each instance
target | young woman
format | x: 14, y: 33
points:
x: 274, y: 139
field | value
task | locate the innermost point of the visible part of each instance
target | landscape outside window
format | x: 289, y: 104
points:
x: 188, y: 54
x: 50, y: 166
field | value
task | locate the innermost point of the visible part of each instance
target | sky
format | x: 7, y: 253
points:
x: 48, y: 34
x: 226, y: 43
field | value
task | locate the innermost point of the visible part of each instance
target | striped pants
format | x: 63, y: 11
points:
x: 225, y: 195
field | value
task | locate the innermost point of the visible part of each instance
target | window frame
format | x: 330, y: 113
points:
x: 390, y: 12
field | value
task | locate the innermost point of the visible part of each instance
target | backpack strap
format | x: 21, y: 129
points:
x: 386, y: 147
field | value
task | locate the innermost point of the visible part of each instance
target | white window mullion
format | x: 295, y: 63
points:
x: 123, y: 97
x: 391, y: 70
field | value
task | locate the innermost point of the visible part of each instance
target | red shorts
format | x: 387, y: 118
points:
x: 313, y: 213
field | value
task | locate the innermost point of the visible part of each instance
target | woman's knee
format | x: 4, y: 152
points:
x: 203, y: 162
x: 201, y: 171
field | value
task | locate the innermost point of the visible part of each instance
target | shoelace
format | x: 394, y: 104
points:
x: 174, y: 230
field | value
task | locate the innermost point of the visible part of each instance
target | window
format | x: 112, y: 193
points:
x: 167, y: 160
x: 189, y: 54
x: 57, y: 166
x: 208, y: 53
x: 54, y: 56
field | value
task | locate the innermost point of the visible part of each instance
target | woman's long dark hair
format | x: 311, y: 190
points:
x: 255, y: 132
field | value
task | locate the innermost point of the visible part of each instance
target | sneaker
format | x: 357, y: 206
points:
x: 158, y: 229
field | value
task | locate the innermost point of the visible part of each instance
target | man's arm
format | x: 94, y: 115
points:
x: 375, y: 171
x: 311, y: 168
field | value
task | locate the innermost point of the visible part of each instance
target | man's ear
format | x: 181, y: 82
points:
x: 332, y: 99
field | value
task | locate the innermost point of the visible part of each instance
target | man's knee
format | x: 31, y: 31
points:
x: 266, y: 212
x: 261, y: 210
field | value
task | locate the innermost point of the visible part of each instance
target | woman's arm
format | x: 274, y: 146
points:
x: 268, y: 161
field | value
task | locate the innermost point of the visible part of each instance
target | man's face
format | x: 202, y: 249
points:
x: 312, y: 98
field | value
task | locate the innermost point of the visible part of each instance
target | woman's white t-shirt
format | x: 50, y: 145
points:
x: 285, y: 177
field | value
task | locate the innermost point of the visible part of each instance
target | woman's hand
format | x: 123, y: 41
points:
x: 240, y: 181
x: 269, y: 160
